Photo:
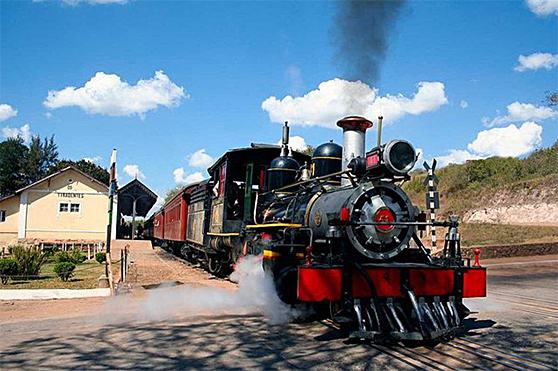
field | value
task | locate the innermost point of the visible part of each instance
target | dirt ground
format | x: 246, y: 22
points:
x: 150, y: 266
x: 515, y: 328
x: 153, y: 265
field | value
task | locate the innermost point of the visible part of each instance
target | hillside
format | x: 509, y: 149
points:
x: 500, y: 200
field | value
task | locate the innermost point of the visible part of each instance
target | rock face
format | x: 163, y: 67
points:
x: 526, y: 204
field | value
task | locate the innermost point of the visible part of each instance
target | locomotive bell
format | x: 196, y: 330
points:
x: 354, y: 138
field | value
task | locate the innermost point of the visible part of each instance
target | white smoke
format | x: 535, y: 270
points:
x: 255, y: 295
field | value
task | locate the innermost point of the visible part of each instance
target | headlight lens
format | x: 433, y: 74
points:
x: 399, y: 156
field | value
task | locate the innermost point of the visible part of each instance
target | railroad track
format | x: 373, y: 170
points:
x: 527, y: 305
x: 552, y: 303
x: 457, y: 354
x: 508, y: 359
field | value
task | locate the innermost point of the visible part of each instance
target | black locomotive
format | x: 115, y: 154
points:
x: 336, y: 231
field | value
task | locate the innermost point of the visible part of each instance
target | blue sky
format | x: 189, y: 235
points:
x: 221, y: 60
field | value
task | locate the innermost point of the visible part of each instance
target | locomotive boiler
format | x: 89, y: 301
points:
x: 336, y: 232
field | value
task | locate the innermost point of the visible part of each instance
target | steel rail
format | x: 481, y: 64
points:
x: 462, y: 341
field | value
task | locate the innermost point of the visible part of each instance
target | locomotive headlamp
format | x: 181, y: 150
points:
x: 399, y: 156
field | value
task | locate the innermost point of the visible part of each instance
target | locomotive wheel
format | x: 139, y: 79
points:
x: 213, y: 264
x: 216, y: 265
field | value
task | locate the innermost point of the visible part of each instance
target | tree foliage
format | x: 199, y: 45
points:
x: 95, y: 171
x: 21, y: 165
x: 172, y: 192
x: 13, y: 155
x: 42, y: 155
x: 309, y: 150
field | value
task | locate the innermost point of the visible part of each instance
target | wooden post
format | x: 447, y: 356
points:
x: 121, y: 265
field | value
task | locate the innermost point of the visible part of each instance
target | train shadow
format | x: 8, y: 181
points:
x: 219, y: 342
x: 225, y: 342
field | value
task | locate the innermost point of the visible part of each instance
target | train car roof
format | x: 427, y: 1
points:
x: 181, y: 191
x: 259, y: 149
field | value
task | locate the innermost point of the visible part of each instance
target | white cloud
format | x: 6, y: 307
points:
x: 522, y: 112
x: 463, y: 104
x: 23, y: 132
x: 6, y: 112
x: 93, y: 160
x: 509, y: 141
x: 543, y: 7
x: 200, y: 159
x: 337, y: 98
x: 133, y: 171
x: 107, y: 94
x: 181, y: 178
x: 456, y: 156
x: 296, y: 142
x: 536, y: 60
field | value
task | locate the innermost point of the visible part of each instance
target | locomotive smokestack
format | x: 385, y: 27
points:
x: 354, y: 139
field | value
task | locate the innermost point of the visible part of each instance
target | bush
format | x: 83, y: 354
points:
x: 77, y: 256
x: 29, y: 259
x: 8, y: 268
x: 64, y: 270
x: 101, y: 257
x: 74, y: 256
x: 50, y: 251
x: 62, y: 257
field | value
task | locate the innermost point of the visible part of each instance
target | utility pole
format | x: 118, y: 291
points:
x: 112, y: 191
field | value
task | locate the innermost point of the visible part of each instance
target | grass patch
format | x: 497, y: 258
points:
x: 473, y: 234
x: 86, y: 277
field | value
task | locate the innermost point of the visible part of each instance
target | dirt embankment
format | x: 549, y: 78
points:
x: 504, y: 251
x: 528, y: 203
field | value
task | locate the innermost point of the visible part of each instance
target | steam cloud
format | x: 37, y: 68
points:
x: 255, y: 295
x: 360, y: 33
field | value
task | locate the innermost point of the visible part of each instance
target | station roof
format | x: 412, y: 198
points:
x: 55, y: 174
x: 135, y: 190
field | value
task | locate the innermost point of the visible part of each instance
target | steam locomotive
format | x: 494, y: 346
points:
x: 335, y: 231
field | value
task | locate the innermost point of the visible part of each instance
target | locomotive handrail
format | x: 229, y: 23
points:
x: 274, y: 225
x: 312, y: 180
x: 435, y: 223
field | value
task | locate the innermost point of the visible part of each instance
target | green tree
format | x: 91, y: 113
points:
x: 95, y: 171
x: 41, y: 156
x: 309, y: 150
x: 172, y: 192
x: 13, y: 155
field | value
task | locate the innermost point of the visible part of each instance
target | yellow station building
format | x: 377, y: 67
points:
x: 66, y: 207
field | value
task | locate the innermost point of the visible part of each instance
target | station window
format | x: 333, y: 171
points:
x: 74, y: 208
x: 63, y: 208
x: 2, y: 216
